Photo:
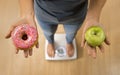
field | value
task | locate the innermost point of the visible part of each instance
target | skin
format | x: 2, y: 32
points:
x: 92, y: 18
x: 27, y: 17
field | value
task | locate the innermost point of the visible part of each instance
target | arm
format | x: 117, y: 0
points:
x: 26, y: 7
x: 92, y: 18
x: 95, y: 8
x: 27, y: 17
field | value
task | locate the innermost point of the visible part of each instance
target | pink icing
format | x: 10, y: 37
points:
x: 18, y: 32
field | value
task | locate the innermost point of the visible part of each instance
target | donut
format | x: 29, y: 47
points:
x: 24, y: 36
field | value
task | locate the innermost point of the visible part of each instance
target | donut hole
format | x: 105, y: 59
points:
x: 24, y: 36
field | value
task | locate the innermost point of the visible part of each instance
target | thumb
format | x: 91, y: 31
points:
x: 9, y: 32
x: 18, y: 22
x: 83, y: 39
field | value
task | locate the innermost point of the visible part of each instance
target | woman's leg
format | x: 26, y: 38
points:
x: 71, y: 31
x: 49, y: 30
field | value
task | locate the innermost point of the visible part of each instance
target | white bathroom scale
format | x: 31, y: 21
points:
x: 60, y: 49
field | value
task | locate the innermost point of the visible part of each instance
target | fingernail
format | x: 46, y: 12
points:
x: 30, y: 54
x: 26, y: 56
x: 6, y: 37
x: 94, y: 57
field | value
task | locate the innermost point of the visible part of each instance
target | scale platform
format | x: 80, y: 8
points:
x: 60, y: 49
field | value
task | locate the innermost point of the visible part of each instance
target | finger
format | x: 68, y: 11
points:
x: 101, y: 47
x: 107, y: 41
x: 26, y: 53
x: 37, y: 45
x: 88, y: 49
x: 91, y: 50
x: 30, y: 52
x: 83, y: 41
x: 13, y: 26
x: 94, y: 52
x: 16, y: 50
x: 10, y: 31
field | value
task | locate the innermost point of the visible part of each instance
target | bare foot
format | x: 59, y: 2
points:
x: 70, y: 49
x: 51, y: 50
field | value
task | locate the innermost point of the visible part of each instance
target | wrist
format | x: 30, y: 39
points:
x: 92, y: 15
x: 29, y: 18
x: 28, y: 14
x: 91, y: 19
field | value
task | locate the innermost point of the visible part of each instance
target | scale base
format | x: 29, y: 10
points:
x: 60, y: 49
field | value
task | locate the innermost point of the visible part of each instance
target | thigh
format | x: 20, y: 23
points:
x: 51, y: 27
x: 69, y: 29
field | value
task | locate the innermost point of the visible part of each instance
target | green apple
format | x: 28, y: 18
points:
x: 94, y: 36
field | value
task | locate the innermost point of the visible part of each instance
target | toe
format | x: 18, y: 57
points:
x: 70, y: 50
x: 70, y: 53
x: 51, y: 50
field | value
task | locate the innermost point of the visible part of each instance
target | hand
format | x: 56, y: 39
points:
x: 92, y: 50
x: 29, y: 19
